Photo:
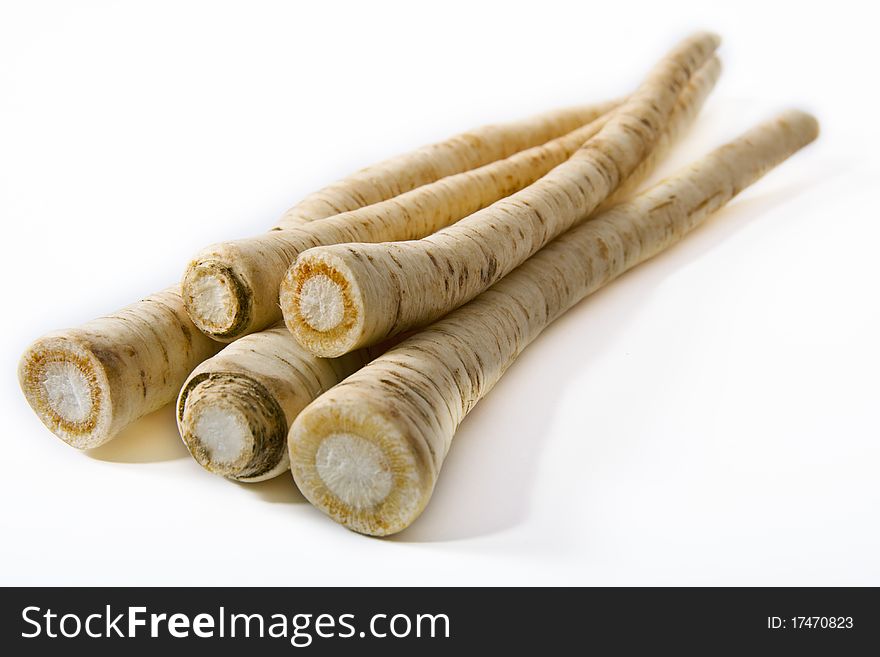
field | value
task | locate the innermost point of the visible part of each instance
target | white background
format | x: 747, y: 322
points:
x: 710, y: 418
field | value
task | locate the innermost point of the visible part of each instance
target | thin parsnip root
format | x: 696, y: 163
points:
x: 235, y: 409
x: 369, y: 451
x: 681, y: 118
x: 314, y: 300
x: 424, y: 165
x: 87, y: 384
x: 231, y: 289
x: 384, y: 289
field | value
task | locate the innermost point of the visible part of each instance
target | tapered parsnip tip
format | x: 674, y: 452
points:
x: 710, y: 38
x: 321, y: 304
x: 215, y: 298
x: 232, y: 426
x: 67, y: 388
x: 700, y: 44
x: 802, y: 121
x: 353, y: 461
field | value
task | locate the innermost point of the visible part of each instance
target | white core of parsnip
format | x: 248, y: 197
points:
x: 67, y: 391
x: 321, y: 303
x: 223, y: 432
x: 354, y: 469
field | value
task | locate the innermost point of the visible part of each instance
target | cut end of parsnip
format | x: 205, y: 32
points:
x: 321, y: 305
x: 232, y: 426
x: 215, y: 299
x: 224, y: 436
x: 67, y: 388
x: 354, y: 463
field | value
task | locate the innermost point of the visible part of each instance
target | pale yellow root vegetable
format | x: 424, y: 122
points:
x: 86, y: 384
x: 235, y: 409
x: 304, y: 292
x: 231, y: 289
x: 680, y: 119
x: 461, y: 152
x: 352, y: 295
x: 368, y: 452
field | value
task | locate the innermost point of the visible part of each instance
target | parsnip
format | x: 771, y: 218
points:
x: 369, y: 451
x: 302, y: 294
x: 461, y: 152
x: 231, y: 289
x: 235, y: 409
x: 86, y: 384
x: 680, y: 119
x: 351, y: 295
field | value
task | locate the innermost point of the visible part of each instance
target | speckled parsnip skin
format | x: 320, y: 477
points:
x: 397, y: 286
x: 332, y: 340
x: 248, y: 271
x: 409, y: 402
x: 680, y: 120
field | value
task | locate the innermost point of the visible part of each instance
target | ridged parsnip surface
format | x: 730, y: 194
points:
x: 408, y: 403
